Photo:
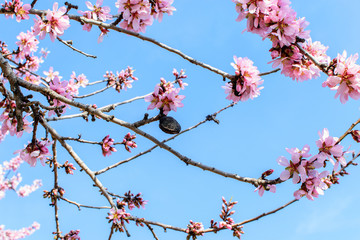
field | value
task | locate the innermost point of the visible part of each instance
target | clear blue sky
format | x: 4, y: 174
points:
x: 249, y: 139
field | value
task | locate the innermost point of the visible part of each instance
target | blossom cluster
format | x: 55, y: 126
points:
x: 37, y: 150
x: 246, y: 81
x: 227, y: 222
x: 106, y: 146
x: 18, y: 234
x: 131, y: 201
x: 277, y: 21
x: 138, y: 14
x: 69, y: 167
x: 165, y: 96
x: 25, y: 56
x: 118, y: 217
x: 302, y: 166
x: 344, y: 77
x: 65, y: 88
x: 18, y: 8
x: 9, y: 122
x: 12, y: 183
x: 54, y: 23
x: 195, y: 228
x: 128, y: 142
x: 72, y: 235
x: 122, y: 80
x: 269, y: 187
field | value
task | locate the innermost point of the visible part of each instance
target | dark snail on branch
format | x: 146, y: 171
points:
x: 169, y: 125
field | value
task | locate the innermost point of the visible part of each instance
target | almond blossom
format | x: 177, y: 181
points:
x: 313, y: 186
x: 345, y: 78
x: 8, y: 234
x: 246, y: 83
x: 55, y: 24
x: 27, y: 44
x: 97, y: 13
x: 295, y: 167
x: 34, y: 151
x: 106, y: 146
x: 128, y: 142
x: 163, y: 6
x: 25, y: 190
x: 261, y: 189
x: 165, y: 97
x: 16, y: 6
x: 329, y: 149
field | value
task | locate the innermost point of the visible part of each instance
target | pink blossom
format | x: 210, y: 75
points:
x: 27, y: 44
x: 7, y: 234
x: 106, y: 146
x: 72, y: 235
x: 247, y: 81
x: 104, y: 32
x: 44, y: 52
x: 34, y: 151
x: 328, y: 147
x: 295, y: 167
x: 136, y: 14
x: 165, y: 97
x: 81, y: 79
x: 345, y: 78
x: 21, y: 10
x: 50, y: 75
x: 118, y: 216
x: 128, y: 142
x: 261, y: 189
x: 25, y: 191
x: 63, y: 88
x: 97, y: 12
x: 195, y: 228
x: 313, y: 186
x: 13, y: 164
x: 163, y: 6
x: 56, y: 23
x: 32, y: 78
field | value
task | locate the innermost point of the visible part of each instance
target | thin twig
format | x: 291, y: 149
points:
x: 75, y: 49
x: 56, y: 187
x: 80, y: 140
x: 82, y: 205
x: 164, y: 141
x: 93, y: 93
x: 48, y: 92
x: 137, y: 35
x: 96, y: 82
x: 348, y: 131
x: 152, y: 231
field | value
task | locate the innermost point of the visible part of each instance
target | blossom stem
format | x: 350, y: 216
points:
x: 75, y: 49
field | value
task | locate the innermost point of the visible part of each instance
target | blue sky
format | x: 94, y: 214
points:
x: 248, y: 140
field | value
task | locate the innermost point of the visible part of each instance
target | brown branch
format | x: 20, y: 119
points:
x: 106, y: 108
x: 152, y: 231
x: 56, y: 187
x: 78, y: 160
x: 348, y: 131
x: 79, y: 206
x: 80, y: 140
x: 270, y: 72
x: 48, y: 92
x: 75, y: 49
x: 252, y: 219
x: 93, y: 93
x: 321, y: 66
x: 164, y: 141
x: 144, y: 38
